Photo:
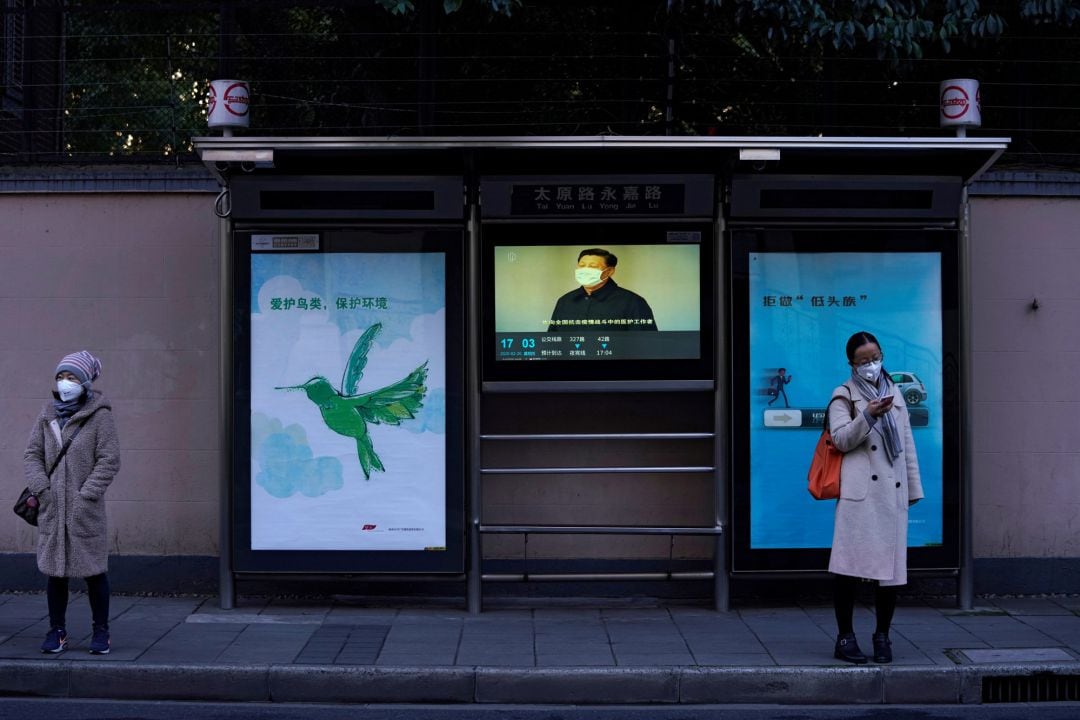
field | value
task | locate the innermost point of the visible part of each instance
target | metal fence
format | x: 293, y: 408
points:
x: 122, y: 81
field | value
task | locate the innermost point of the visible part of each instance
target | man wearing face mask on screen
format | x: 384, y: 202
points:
x: 600, y: 304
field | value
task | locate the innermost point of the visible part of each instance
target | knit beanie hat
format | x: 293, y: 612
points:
x: 82, y: 365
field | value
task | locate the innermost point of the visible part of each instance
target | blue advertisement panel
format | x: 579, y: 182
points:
x: 801, y: 297
x: 349, y: 402
x: 805, y: 308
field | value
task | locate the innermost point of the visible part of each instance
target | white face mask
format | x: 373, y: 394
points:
x: 870, y: 371
x: 587, y: 276
x: 68, y: 389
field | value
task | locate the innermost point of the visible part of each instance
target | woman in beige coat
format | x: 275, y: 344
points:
x: 879, y: 480
x: 73, y: 539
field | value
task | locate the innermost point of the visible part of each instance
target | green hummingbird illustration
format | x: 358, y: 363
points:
x: 348, y: 413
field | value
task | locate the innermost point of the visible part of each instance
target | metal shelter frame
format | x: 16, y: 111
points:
x: 966, y: 157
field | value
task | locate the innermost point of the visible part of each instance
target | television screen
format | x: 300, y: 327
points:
x: 612, y: 301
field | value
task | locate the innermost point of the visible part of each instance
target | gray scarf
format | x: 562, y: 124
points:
x: 64, y: 410
x: 885, y: 424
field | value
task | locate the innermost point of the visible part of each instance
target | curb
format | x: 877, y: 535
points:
x: 370, y: 684
x: 508, y: 685
x: 578, y: 685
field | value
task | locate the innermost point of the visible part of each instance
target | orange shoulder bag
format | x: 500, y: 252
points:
x: 823, y: 480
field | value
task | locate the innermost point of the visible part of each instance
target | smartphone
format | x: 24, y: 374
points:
x: 886, y: 400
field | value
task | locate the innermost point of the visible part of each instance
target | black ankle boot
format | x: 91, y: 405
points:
x: 882, y: 648
x: 848, y: 649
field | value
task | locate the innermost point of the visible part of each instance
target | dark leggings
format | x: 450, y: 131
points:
x: 846, y: 588
x: 97, y: 590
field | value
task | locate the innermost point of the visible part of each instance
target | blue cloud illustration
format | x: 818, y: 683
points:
x: 289, y: 467
x: 432, y: 416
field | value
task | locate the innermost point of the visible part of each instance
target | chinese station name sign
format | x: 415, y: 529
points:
x: 597, y: 199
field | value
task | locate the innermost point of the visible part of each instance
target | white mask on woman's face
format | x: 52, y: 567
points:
x: 68, y: 389
x: 870, y: 371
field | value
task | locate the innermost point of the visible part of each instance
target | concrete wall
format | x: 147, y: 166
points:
x: 1026, y: 437
x: 134, y: 279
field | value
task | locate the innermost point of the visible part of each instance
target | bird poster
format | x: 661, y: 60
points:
x: 348, y: 401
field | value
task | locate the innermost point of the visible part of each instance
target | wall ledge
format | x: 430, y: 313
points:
x: 1027, y: 183
x: 107, y: 179
x: 199, y: 574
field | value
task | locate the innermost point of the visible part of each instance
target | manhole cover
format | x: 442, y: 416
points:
x: 1011, y: 655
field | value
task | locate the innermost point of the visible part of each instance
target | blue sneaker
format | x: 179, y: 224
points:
x: 99, y: 644
x: 55, y: 640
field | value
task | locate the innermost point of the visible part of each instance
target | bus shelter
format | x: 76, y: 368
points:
x: 416, y: 386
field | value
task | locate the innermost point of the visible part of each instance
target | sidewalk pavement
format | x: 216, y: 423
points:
x: 338, y: 651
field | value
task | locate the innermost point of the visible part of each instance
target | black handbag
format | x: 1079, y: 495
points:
x: 22, y: 509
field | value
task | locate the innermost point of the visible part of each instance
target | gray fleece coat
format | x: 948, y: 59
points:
x: 73, y: 536
x: 871, y: 522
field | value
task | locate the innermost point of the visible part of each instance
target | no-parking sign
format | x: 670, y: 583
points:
x: 960, y: 103
x: 228, y: 104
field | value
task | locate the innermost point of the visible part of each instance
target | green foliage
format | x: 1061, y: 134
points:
x: 137, y: 84
x: 404, y: 7
x: 891, y: 28
x: 895, y: 27
x: 135, y: 80
x: 502, y: 6
x: 1050, y: 12
x: 397, y: 7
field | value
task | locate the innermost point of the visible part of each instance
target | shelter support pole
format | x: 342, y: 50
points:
x: 965, y: 594
x: 721, y: 403
x: 226, y: 581
x: 472, y: 413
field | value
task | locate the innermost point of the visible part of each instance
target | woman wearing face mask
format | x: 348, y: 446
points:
x: 72, y: 533
x: 879, y: 480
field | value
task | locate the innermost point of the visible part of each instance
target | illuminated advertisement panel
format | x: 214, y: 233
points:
x: 800, y: 297
x: 348, y: 422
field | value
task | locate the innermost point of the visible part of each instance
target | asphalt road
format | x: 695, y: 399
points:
x: 23, y: 708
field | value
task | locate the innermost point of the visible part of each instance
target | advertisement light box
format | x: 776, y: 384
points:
x: 798, y: 297
x: 353, y: 427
